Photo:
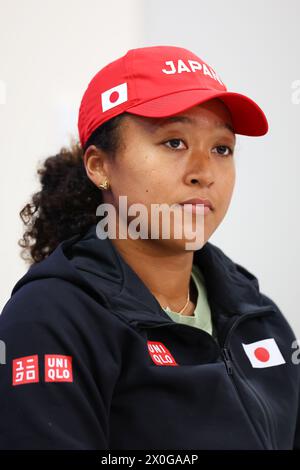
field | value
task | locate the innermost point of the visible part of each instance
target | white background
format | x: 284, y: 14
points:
x: 49, y: 51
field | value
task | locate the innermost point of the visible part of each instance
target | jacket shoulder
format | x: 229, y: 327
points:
x: 53, y: 302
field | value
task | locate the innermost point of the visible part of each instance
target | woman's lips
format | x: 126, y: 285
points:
x: 196, y: 208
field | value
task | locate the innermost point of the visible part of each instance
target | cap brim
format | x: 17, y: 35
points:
x: 247, y: 117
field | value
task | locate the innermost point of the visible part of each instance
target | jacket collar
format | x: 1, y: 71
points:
x: 95, y: 265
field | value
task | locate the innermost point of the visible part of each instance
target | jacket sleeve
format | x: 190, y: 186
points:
x: 60, y: 369
x: 295, y: 358
x: 296, y: 444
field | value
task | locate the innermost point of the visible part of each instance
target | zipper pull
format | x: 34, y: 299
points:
x: 227, y: 361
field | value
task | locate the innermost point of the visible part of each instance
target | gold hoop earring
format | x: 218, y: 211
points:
x: 104, y: 185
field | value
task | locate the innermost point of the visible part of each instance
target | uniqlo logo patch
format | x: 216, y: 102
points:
x: 25, y: 370
x: 114, y: 96
x: 58, y: 368
x: 160, y: 355
x: 264, y: 353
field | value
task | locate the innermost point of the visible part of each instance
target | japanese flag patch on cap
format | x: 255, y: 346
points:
x: 114, y: 96
x: 264, y: 353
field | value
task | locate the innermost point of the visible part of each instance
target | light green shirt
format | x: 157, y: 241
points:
x: 202, y: 314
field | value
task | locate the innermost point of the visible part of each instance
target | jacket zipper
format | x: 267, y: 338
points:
x: 226, y: 356
x: 229, y: 366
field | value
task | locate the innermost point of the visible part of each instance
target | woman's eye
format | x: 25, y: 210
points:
x: 176, y: 141
x: 225, y: 148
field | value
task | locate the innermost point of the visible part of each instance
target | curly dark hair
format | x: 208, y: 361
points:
x: 66, y: 204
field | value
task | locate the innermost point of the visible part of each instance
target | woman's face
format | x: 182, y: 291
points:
x: 176, y: 161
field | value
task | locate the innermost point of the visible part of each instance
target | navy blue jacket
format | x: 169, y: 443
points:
x: 94, y: 362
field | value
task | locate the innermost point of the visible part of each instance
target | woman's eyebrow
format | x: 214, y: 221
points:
x: 162, y: 122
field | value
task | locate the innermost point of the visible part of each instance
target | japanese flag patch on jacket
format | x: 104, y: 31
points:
x: 264, y: 353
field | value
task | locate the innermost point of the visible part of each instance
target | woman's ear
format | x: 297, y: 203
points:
x: 95, y: 162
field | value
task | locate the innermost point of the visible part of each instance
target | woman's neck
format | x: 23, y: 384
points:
x: 167, y: 274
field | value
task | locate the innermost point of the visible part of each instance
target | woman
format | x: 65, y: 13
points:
x: 119, y: 342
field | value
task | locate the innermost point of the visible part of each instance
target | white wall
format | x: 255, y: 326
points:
x: 48, y: 52
x: 255, y: 47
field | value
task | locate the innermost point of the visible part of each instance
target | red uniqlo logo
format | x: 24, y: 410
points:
x: 160, y: 355
x: 58, y: 368
x: 25, y: 370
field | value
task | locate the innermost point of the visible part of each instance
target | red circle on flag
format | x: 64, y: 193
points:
x: 262, y: 354
x: 114, y: 97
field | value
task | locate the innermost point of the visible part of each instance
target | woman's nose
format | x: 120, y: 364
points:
x: 201, y: 170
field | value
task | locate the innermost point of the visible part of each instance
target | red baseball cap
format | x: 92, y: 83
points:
x: 160, y: 81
